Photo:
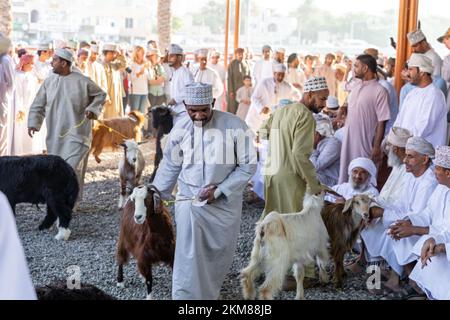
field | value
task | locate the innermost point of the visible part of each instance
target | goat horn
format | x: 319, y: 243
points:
x: 143, y: 142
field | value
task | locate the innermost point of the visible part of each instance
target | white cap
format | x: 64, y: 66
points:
x: 415, y: 36
x: 109, y: 47
x: 175, y: 49
x: 65, y: 54
x: 422, y: 62
x: 332, y: 102
x: 278, y: 67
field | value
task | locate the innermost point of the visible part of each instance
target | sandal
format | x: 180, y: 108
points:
x: 406, y: 293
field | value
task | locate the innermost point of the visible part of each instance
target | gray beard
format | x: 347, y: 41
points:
x: 360, y: 187
x: 393, y: 160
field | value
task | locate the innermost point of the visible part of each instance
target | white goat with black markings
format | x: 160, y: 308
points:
x: 131, y: 167
x: 283, y: 241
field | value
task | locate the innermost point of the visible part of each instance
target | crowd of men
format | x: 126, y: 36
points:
x: 336, y: 123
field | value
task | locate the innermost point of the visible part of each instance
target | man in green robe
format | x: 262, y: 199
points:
x: 237, y: 70
x: 288, y: 171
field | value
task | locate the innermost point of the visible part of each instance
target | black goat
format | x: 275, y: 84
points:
x: 59, y: 291
x: 162, y: 121
x: 41, y: 179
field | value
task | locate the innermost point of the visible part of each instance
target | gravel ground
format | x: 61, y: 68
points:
x: 95, y: 228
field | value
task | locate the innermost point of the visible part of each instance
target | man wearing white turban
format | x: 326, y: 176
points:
x: 180, y: 78
x: 205, y: 74
x: 374, y: 235
x: 263, y: 67
x: 420, y: 45
x: 432, y: 273
x: 15, y: 280
x: 67, y: 101
x: 362, y: 175
x: 420, y: 185
x: 424, y: 111
x: 267, y: 94
x: 327, y: 150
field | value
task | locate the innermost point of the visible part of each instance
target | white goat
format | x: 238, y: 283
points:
x: 283, y: 241
x: 130, y: 169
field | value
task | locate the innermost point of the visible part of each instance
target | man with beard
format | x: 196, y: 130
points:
x: 424, y: 111
x: 288, y: 171
x: 267, y: 94
x: 290, y: 131
x: 368, y: 113
x: 363, y: 180
x: 211, y: 156
x: 420, y: 184
x: 389, y: 195
x: 180, y: 78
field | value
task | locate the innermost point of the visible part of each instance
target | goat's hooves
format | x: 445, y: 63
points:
x: 98, y: 160
x: 63, y: 234
x: 149, y: 297
x: 120, y: 285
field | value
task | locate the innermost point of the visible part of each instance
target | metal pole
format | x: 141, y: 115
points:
x: 237, y: 21
x: 407, y: 21
x: 227, y: 31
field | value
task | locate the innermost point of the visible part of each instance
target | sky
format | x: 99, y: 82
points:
x: 433, y: 7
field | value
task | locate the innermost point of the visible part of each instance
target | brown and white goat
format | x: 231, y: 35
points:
x: 111, y: 133
x: 146, y: 232
x: 131, y: 167
x: 343, y: 223
x: 283, y: 241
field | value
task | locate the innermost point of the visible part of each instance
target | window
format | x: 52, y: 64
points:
x: 34, y: 16
x: 129, y: 23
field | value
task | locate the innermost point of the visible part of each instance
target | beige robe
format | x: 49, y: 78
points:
x: 114, y: 107
x: 62, y: 101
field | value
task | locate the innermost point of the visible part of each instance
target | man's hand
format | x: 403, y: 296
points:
x: 207, y: 193
x: 90, y: 115
x: 32, y: 131
x: 428, y: 251
x: 375, y: 212
x: 265, y: 110
x: 377, y: 155
x: 402, y: 229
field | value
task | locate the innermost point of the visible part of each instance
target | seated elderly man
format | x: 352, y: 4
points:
x: 389, y: 195
x: 327, y: 151
x: 433, y: 274
x: 420, y: 184
x: 362, y: 180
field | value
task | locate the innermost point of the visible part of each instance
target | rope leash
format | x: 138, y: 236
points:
x: 101, y: 124
x: 74, y: 127
x: 171, y: 202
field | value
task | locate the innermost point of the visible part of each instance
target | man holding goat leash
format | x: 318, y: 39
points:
x: 211, y: 156
x: 68, y: 101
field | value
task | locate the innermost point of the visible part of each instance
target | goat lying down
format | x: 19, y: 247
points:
x: 283, y: 241
x: 146, y: 233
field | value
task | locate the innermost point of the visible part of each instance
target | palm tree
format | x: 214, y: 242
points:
x: 164, y: 23
x: 5, y: 17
